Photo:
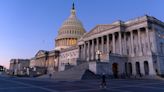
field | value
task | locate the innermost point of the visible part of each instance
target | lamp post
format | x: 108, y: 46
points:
x: 98, y: 52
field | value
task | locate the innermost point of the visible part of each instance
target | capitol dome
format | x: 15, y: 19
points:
x: 71, y: 30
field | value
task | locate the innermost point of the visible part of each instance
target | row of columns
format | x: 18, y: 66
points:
x: 89, y: 50
x: 66, y: 42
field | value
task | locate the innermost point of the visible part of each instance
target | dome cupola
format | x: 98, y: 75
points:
x: 71, y: 30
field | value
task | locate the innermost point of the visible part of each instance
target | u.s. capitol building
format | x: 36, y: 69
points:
x: 131, y: 48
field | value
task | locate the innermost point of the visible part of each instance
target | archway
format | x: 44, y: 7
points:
x: 138, y: 68
x: 130, y: 68
x: 115, y: 69
x: 146, y: 67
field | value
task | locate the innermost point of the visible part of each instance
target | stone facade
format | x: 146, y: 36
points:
x: 46, y: 59
x: 19, y: 66
x: 140, y: 40
x: 134, y: 47
x: 68, y: 57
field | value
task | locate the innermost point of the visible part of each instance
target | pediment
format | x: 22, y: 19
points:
x: 98, y: 29
x: 40, y: 52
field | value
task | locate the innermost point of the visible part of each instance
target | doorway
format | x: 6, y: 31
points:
x: 115, y: 70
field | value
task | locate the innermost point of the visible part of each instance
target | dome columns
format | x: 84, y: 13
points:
x: 66, y: 42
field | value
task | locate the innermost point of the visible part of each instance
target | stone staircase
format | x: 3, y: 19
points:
x: 74, y: 73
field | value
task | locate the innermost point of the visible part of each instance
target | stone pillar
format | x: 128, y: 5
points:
x: 148, y: 41
x: 125, y: 45
x: 97, y: 42
x: 93, y: 50
x: 89, y: 50
x: 85, y: 51
x: 64, y: 42
x: 113, y: 41
x: 132, y: 44
x: 142, y: 68
x: 67, y: 41
x: 107, y: 43
x: 102, y: 44
x: 80, y: 51
x: 139, y: 43
x: 134, y: 68
x: 120, y: 43
x: 71, y: 41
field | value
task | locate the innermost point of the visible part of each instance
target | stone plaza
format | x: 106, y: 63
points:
x: 13, y: 84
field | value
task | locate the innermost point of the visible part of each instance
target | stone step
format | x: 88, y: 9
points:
x: 75, y: 73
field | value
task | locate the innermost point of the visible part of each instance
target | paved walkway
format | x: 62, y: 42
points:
x: 9, y: 84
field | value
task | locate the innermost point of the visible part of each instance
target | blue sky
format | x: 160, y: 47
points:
x: 27, y: 26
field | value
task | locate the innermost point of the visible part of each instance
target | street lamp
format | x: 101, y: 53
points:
x: 98, y: 53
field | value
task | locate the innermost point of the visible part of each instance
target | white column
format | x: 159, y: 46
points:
x: 113, y: 41
x: 125, y: 45
x: 97, y: 42
x: 89, y: 50
x: 120, y: 43
x: 107, y: 43
x: 62, y: 42
x: 132, y: 44
x: 102, y: 44
x: 148, y: 41
x: 93, y: 50
x: 85, y: 51
x: 142, y: 69
x: 80, y: 51
x: 67, y: 42
x: 139, y: 43
x: 59, y: 42
x: 134, y: 68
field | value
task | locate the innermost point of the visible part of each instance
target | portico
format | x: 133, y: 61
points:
x: 127, y: 39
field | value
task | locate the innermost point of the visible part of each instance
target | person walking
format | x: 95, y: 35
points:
x: 50, y: 75
x: 103, y: 82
